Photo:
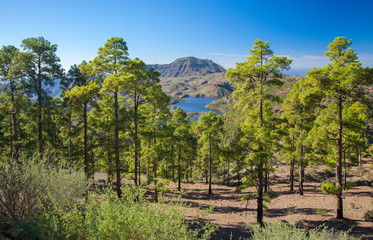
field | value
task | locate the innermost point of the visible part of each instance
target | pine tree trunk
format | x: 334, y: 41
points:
x: 11, y: 136
x: 266, y: 178
x: 116, y: 136
x: 148, y: 169
x: 15, y: 130
x: 110, y: 167
x: 179, y: 167
x: 260, y: 176
x: 173, y: 162
x: 139, y: 169
x: 238, y: 178
x: 70, y: 141
x: 339, y: 162
x: 292, y: 174
x: 187, y: 173
x: 210, y: 165
x: 301, y: 177
x: 136, y: 136
x: 86, y: 167
x: 155, y: 174
x: 228, y: 173
x: 191, y: 172
x: 345, y: 167
x: 93, y: 164
x: 224, y: 174
x: 40, y: 108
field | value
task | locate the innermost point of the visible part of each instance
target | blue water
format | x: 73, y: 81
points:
x: 195, y: 104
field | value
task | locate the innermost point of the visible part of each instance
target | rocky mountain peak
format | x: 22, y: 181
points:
x: 188, y: 66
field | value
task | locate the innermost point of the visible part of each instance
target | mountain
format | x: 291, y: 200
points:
x: 188, y: 66
x: 193, y: 77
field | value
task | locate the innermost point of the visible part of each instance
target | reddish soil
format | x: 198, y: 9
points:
x: 233, y: 216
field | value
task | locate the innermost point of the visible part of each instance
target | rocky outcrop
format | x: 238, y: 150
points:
x: 188, y: 66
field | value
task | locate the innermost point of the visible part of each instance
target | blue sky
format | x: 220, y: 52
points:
x: 159, y: 31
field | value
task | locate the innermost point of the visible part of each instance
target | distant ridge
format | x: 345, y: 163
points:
x: 193, y: 77
x: 188, y: 66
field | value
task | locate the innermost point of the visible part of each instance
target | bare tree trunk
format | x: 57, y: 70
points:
x: 70, y: 141
x: 173, y: 162
x: 155, y: 173
x: 110, y: 167
x: 238, y: 178
x: 292, y: 174
x: 40, y: 120
x: 11, y: 137
x: 345, y: 167
x: 260, y: 176
x: 15, y: 136
x: 187, y: 173
x: 210, y: 165
x: 179, y: 168
x: 301, y: 177
x: 339, y: 162
x: 228, y: 173
x: 139, y: 169
x: 86, y: 167
x: 148, y: 169
x: 191, y: 172
x: 265, y: 178
x: 116, y: 133
x: 136, y: 136
x: 93, y: 164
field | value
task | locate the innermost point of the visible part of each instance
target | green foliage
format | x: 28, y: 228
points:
x: 31, y: 194
x: 322, y: 211
x: 330, y: 188
x: 42, y: 200
x: 113, y: 218
x: 283, y: 231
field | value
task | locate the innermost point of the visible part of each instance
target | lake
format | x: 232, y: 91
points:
x: 195, y: 104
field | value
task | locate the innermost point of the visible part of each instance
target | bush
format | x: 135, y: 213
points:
x: 132, y: 217
x: 282, y: 231
x: 31, y: 193
x: 42, y: 200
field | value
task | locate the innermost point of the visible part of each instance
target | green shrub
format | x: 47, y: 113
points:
x: 282, y: 231
x: 31, y: 193
x: 42, y: 200
x: 322, y: 212
x: 133, y: 217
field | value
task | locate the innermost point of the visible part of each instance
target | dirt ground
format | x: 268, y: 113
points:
x: 233, y: 216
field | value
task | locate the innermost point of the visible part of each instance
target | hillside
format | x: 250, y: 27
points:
x: 193, y: 77
x: 188, y: 66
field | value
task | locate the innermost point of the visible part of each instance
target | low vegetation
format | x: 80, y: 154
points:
x: 44, y: 200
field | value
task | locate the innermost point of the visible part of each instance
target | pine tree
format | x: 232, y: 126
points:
x: 211, y: 127
x: 43, y: 68
x: 253, y: 77
x: 340, y: 81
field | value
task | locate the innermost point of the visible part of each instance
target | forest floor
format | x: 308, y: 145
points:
x: 311, y: 210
